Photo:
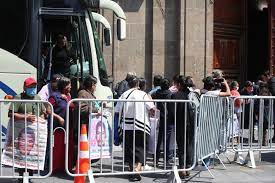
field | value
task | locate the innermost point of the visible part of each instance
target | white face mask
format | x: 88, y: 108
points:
x: 237, y: 88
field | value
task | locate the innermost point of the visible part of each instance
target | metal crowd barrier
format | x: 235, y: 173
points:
x: 212, y: 128
x: 26, y: 141
x: 255, y: 120
x: 224, y: 127
x: 108, y: 159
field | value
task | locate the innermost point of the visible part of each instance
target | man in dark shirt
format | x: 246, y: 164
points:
x: 62, y: 57
x: 164, y: 93
x: 122, y: 86
x: 184, y: 126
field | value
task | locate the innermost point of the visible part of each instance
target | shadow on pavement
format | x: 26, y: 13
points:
x: 62, y: 175
x: 268, y: 157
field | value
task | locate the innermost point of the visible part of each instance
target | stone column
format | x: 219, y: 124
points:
x: 196, y: 53
x: 166, y: 35
x: 129, y: 55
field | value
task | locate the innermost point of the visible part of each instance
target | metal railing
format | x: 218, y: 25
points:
x: 220, y: 125
x: 132, y: 114
x: 255, y: 119
x: 26, y: 139
x: 211, y: 128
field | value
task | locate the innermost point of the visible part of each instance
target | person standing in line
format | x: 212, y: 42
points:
x: 86, y: 108
x: 211, y: 87
x: 122, y: 86
x: 45, y: 92
x: 48, y: 89
x: 173, y: 89
x: 142, y: 84
x: 249, y: 90
x: 135, y: 121
x: 59, y: 101
x: 156, y: 83
x: 89, y: 87
x: 175, y: 82
x: 264, y: 91
x: 164, y: 93
x: 22, y: 111
x: 234, y: 87
x: 182, y: 128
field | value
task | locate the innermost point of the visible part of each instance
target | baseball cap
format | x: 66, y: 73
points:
x: 29, y: 81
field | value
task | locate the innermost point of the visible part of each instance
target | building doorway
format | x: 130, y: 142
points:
x: 257, y: 54
x: 240, y: 39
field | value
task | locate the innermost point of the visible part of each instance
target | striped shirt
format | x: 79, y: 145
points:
x: 135, y: 114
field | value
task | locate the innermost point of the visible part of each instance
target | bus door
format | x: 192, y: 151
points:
x: 58, y: 22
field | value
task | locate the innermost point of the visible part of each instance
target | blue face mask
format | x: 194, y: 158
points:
x: 31, y: 92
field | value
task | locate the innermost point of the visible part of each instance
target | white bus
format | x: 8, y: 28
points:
x: 33, y: 23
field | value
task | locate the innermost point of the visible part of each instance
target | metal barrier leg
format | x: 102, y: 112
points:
x: 260, y: 156
x: 91, y: 176
x: 174, y: 177
x: 236, y: 156
x: 220, y: 160
x: 207, y: 169
x: 250, y: 156
x: 26, y: 177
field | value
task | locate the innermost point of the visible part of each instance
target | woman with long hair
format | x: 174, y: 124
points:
x: 59, y: 101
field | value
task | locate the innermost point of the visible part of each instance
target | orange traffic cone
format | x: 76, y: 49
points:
x: 83, y: 163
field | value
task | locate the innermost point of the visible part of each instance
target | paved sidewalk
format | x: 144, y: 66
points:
x: 234, y: 173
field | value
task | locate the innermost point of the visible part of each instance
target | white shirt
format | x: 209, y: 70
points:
x: 44, y: 93
x: 135, y: 114
x: 213, y: 93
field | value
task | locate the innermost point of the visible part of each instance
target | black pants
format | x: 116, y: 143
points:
x: 139, y: 146
x: 161, y: 134
x: 188, y: 149
x: 22, y: 170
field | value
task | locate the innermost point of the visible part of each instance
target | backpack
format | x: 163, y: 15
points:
x: 120, y: 88
x: 195, y: 98
x: 116, y: 90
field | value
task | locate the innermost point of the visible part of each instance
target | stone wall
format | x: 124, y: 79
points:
x: 163, y: 37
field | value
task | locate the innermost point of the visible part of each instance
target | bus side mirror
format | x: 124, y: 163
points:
x: 107, y: 36
x: 121, y: 29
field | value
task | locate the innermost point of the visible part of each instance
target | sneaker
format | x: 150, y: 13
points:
x: 184, y: 174
x: 134, y: 177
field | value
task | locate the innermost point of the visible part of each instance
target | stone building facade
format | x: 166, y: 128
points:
x: 165, y: 37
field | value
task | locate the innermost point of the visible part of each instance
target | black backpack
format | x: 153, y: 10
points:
x: 195, y: 98
x: 120, y: 88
